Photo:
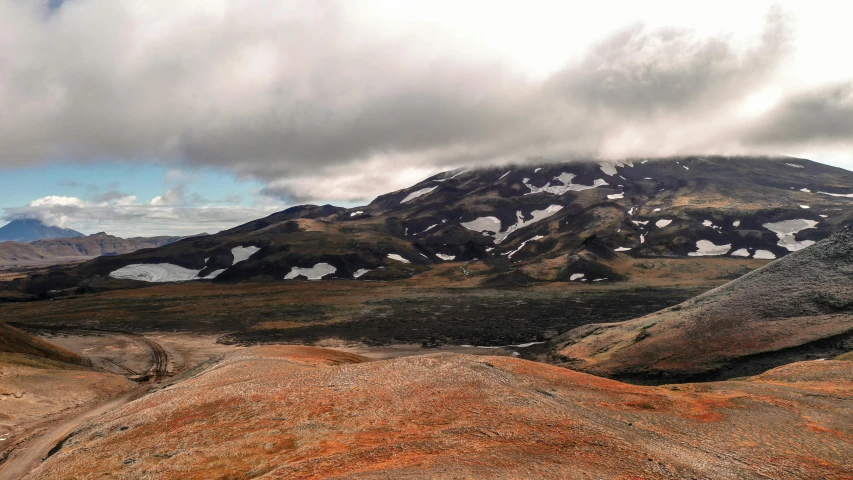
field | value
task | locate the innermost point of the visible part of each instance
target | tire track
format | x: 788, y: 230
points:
x: 159, y: 358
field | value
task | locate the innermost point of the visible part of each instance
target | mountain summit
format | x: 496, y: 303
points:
x: 30, y: 230
x: 553, y: 222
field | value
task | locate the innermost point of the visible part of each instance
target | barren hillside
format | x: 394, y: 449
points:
x: 301, y: 412
x: 793, y: 308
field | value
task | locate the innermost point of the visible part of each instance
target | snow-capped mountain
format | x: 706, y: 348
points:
x: 552, y: 222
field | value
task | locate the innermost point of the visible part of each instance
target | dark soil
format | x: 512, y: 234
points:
x: 484, y: 317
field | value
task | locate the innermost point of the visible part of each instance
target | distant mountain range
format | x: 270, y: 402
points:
x: 81, y: 247
x: 552, y: 222
x: 30, y: 230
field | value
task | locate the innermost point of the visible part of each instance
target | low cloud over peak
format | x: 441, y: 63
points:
x: 332, y: 101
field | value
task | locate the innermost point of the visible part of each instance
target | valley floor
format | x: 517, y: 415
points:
x: 433, y: 322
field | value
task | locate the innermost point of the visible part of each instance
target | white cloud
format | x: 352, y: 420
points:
x: 339, y: 100
x: 125, y: 217
x: 55, y: 201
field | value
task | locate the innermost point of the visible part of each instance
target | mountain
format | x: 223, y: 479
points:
x: 30, y: 230
x: 554, y: 222
x: 800, y: 306
x: 304, y: 412
x: 76, y: 248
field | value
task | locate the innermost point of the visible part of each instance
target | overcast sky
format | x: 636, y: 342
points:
x: 156, y: 117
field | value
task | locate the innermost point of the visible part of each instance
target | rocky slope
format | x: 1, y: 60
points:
x: 793, y: 308
x: 302, y: 412
x: 534, y: 219
x: 76, y: 248
x: 30, y: 230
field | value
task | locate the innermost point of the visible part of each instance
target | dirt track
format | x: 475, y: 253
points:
x: 25, y: 458
x: 159, y: 357
x: 34, y: 450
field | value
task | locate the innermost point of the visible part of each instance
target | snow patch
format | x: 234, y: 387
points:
x: 521, y: 222
x: 419, y: 193
x: 445, y: 257
x: 740, y: 253
x: 241, y: 254
x: 787, y: 229
x: 537, y: 237
x: 622, y: 249
x: 662, y: 223
x: 616, y: 196
x: 355, y: 213
x: 656, y: 210
x: 845, y: 195
x: 214, y: 274
x: 576, y: 276
x: 608, y: 168
x: 707, y: 248
x: 492, y: 225
x: 394, y: 256
x: 736, y: 223
x: 360, y: 272
x: 427, y: 229
x: 640, y: 222
x: 710, y: 224
x: 805, y: 190
x: 505, y: 174
x: 794, y: 165
x: 486, y: 225
x: 764, y: 255
x: 537, y: 170
x: 804, y: 206
x: 314, y: 273
x: 567, y: 186
x: 155, y: 272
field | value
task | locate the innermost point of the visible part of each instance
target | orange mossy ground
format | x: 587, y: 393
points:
x: 305, y: 412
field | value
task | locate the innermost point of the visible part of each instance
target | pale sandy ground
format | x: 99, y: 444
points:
x: 40, y: 400
x: 185, y: 350
x: 36, y: 394
x: 104, y: 348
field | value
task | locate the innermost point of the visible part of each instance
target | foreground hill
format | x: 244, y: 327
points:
x: 795, y: 307
x: 302, y: 412
x: 76, y: 248
x: 567, y: 221
x: 13, y: 340
x: 30, y: 230
x: 42, y: 384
